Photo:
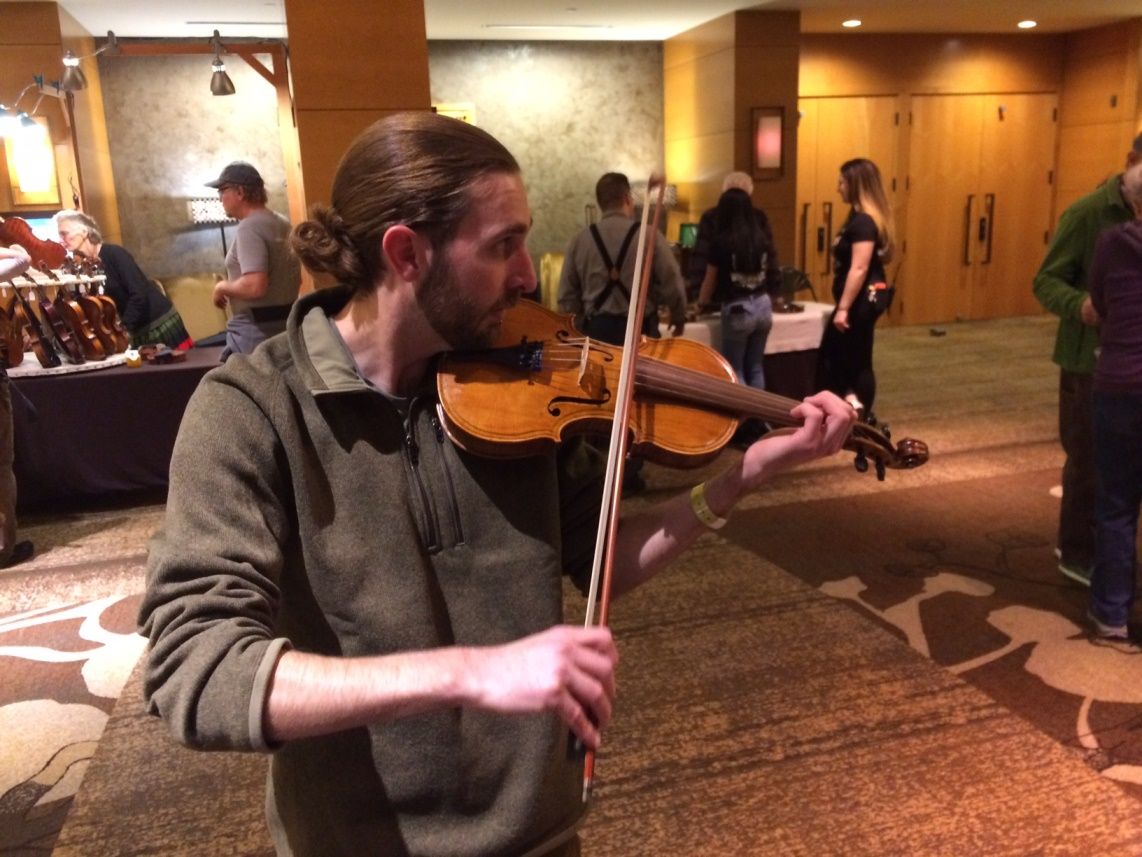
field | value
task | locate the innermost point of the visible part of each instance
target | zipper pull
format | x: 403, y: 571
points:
x: 437, y: 429
x: 410, y: 442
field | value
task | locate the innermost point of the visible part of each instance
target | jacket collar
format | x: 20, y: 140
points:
x: 325, y: 363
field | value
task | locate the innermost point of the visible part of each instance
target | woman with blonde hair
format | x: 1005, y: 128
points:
x: 860, y: 250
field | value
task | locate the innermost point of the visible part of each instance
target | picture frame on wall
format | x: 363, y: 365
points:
x: 767, y: 129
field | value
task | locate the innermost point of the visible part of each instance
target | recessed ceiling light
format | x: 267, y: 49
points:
x: 1027, y: 25
x: 850, y: 23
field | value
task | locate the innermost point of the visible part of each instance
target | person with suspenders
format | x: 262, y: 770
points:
x: 598, y: 270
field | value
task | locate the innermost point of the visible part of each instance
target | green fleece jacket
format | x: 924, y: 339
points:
x: 1061, y: 284
x: 309, y: 510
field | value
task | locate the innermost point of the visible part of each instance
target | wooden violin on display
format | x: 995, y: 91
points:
x: 543, y: 381
x: 79, y: 327
x: 25, y: 319
x: 45, y: 254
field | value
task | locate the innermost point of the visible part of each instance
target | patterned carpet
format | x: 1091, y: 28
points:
x: 773, y: 694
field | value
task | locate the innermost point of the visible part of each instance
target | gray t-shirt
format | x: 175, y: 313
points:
x: 262, y: 244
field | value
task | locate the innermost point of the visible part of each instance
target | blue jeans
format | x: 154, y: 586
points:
x: 746, y: 323
x: 1117, y: 429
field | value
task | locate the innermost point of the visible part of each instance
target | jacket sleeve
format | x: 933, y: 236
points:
x: 213, y: 573
x: 1059, y: 285
x: 131, y: 284
x: 1096, y: 278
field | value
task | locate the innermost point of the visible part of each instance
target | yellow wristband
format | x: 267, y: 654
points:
x: 702, y: 508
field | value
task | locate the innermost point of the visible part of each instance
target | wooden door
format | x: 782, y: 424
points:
x: 979, y: 205
x: 941, y: 246
x: 1017, y: 160
x: 832, y: 131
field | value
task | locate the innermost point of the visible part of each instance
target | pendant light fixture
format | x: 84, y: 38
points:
x: 220, y: 82
x: 73, y: 77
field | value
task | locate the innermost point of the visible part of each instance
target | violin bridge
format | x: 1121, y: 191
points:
x: 583, y: 359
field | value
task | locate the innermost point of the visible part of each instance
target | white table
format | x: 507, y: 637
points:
x: 790, y: 351
x: 792, y: 331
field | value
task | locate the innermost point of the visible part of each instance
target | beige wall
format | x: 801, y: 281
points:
x: 714, y: 75
x: 568, y: 111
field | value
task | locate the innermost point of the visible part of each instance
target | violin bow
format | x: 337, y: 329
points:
x: 616, y: 455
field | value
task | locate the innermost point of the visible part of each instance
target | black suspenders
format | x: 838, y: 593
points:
x: 614, y: 269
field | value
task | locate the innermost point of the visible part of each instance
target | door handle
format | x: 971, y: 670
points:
x: 989, y: 205
x: 967, y: 229
x: 820, y: 239
x: 804, y: 234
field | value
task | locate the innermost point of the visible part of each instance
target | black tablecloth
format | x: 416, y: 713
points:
x: 102, y: 433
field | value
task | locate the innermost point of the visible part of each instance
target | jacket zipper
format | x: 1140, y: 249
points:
x: 412, y: 460
x: 453, y: 503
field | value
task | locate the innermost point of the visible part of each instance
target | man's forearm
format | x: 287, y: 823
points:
x: 315, y: 694
x: 248, y: 287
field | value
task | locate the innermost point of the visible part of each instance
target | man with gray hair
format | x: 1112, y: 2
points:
x: 1061, y: 287
x: 262, y: 276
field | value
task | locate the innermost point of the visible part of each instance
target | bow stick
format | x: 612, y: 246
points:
x: 616, y: 454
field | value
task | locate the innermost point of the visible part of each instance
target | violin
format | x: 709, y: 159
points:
x: 45, y: 254
x: 75, y: 318
x: 543, y: 381
x: 25, y: 319
x: 68, y: 346
x: 93, y: 268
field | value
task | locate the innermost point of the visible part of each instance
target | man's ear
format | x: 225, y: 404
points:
x: 404, y: 252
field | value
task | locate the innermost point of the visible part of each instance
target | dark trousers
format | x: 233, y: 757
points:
x: 1117, y: 430
x: 1076, y: 431
x: 845, y: 360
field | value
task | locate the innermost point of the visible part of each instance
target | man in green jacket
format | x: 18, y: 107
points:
x: 1061, y: 287
x: 342, y: 585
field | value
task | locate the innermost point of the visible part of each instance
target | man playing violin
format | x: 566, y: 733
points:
x: 339, y: 584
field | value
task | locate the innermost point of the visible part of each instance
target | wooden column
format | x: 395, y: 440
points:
x: 350, y: 65
x: 714, y: 75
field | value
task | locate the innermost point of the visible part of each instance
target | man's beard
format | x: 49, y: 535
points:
x: 454, y: 313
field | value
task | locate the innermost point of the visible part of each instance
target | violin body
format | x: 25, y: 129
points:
x: 542, y: 382
x: 45, y: 254
x: 542, y: 408
x: 25, y: 319
x: 68, y: 346
x: 77, y: 323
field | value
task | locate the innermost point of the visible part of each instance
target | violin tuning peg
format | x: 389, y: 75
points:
x: 880, y: 470
x: 860, y: 463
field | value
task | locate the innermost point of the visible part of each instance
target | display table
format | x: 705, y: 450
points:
x: 790, y: 351
x: 100, y: 432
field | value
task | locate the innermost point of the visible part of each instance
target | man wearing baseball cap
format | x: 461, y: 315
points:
x: 262, y: 276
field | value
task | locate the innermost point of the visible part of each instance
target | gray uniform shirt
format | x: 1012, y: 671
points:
x: 261, y: 244
x: 584, y: 273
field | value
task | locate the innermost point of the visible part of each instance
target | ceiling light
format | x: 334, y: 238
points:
x: 851, y: 23
x: 1027, y: 25
x: 220, y: 82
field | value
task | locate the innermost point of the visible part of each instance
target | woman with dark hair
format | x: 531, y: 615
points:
x: 148, y: 314
x: 743, y: 274
x: 860, y: 250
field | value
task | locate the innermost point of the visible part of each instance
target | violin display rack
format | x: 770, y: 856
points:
x: 55, y: 321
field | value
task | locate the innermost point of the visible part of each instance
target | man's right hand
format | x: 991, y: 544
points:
x: 1089, y: 314
x: 566, y: 669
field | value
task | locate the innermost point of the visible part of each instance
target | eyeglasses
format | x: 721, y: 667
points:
x: 223, y: 188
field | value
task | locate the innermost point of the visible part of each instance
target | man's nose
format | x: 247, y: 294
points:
x: 525, y: 275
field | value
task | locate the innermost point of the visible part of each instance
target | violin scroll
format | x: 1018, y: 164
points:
x: 869, y: 441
